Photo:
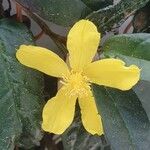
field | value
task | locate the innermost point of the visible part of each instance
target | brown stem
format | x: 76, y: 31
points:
x: 46, y: 28
x: 16, y: 147
x: 38, y: 36
x: 19, y: 12
x: 59, y: 40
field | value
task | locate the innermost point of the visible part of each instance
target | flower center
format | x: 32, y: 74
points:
x: 79, y: 83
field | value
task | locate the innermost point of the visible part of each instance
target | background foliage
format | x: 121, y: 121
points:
x: 126, y: 115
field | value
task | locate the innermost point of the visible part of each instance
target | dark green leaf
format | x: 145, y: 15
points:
x: 1, y: 8
x: 20, y: 91
x: 62, y: 12
x: 97, y: 4
x: 107, y: 17
x: 133, y: 49
x: 142, y: 91
x: 125, y: 121
x: 76, y: 137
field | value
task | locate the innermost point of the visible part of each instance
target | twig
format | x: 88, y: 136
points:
x: 16, y: 147
x: 38, y: 36
x: 59, y: 40
x: 46, y: 28
x: 19, y: 12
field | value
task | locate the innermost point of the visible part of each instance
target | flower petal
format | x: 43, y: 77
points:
x: 42, y: 59
x: 83, y: 40
x: 90, y: 118
x: 58, y: 113
x: 113, y: 73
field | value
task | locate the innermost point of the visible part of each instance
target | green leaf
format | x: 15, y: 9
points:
x: 76, y: 137
x: 62, y: 12
x: 107, y: 17
x: 20, y: 91
x: 142, y: 91
x: 97, y: 4
x: 125, y: 121
x: 133, y: 49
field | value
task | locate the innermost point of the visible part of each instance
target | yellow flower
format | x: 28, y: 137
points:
x: 83, y: 40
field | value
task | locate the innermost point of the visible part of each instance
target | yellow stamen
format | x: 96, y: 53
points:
x: 79, y: 83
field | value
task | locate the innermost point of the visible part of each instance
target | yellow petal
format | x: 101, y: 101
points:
x: 42, y: 59
x: 113, y: 73
x: 82, y: 42
x: 59, y: 111
x: 90, y: 118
